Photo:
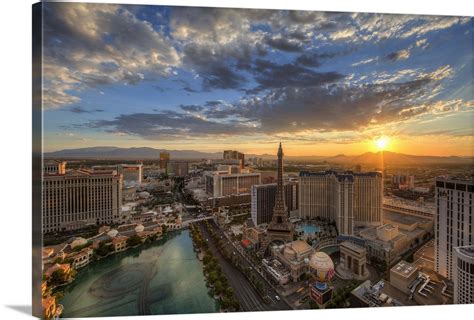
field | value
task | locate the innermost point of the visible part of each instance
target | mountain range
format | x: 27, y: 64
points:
x: 145, y: 153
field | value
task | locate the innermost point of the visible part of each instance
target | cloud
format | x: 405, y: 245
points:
x: 213, y: 67
x: 343, y: 34
x: 169, y: 125
x: 271, y: 75
x: 423, y: 43
x: 433, y: 23
x: 93, y: 45
x: 365, y: 61
x: 78, y: 109
x: 307, y: 110
x: 285, y: 44
x: 314, y: 59
x: 398, y: 55
x: 89, y: 45
x: 191, y: 108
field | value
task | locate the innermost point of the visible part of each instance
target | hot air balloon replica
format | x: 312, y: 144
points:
x: 322, y: 271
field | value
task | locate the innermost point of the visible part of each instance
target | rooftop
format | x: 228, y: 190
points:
x: 381, y: 294
x: 404, y: 269
x: 353, y: 247
x: 426, y: 251
x: 403, y: 218
x: 300, y: 246
x: 387, y: 227
x: 466, y: 250
x: 340, y: 175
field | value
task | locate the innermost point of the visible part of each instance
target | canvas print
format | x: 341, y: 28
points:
x: 200, y: 160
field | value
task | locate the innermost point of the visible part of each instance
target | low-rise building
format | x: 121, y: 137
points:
x: 82, y: 258
x: 381, y: 294
x: 295, y: 257
x: 402, y: 276
x: 277, y: 271
x: 253, y: 234
x: 385, y: 243
x: 425, y: 257
x: 119, y: 243
x: 353, y: 261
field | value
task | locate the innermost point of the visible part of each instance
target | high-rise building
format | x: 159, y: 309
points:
x: 54, y: 166
x: 263, y: 200
x: 235, y: 155
x: 463, y: 275
x: 222, y: 183
x: 164, y: 159
x: 177, y: 168
x: 403, y: 181
x: 131, y: 173
x: 368, y: 199
x: 80, y: 197
x: 453, y: 221
x: 350, y: 199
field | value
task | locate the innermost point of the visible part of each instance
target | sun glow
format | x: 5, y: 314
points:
x: 382, y: 143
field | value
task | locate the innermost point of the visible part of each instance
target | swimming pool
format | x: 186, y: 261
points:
x: 308, y: 229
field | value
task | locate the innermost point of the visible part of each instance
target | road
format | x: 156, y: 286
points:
x: 248, y: 297
x: 242, y: 281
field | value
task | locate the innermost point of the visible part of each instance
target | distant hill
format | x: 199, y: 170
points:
x: 145, y: 153
x: 394, y: 158
x: 128, y: 153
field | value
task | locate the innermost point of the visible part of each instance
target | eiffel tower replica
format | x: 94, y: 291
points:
x: 280, y: 228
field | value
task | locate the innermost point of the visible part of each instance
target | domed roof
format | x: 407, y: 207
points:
x: 322, y: 266
x: 300, y: 246
x: 139, y: 228
x: 112, y: 233
x: 78, y: 242
x: 321, y: 261
x: 289, y: 252
x: 144, y: 194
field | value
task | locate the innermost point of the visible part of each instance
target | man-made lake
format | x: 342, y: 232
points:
x: 161, y: 278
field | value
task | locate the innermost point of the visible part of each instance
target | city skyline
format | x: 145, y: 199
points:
x: 193, y: 78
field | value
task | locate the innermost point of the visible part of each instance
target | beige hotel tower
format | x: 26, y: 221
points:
x: 75, y: 198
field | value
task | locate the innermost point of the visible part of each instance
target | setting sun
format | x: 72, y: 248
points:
x: 382, y: 143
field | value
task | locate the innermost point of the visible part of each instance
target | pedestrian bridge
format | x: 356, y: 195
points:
x: 188, y: 222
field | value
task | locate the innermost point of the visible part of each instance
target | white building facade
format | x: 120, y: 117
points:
x: 453, y: 221
x: 463, y: 275
x: 221, y: 183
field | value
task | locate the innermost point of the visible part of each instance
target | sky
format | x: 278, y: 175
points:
x: 208, y: 79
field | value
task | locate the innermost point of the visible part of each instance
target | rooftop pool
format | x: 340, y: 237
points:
x: 308, y: 228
